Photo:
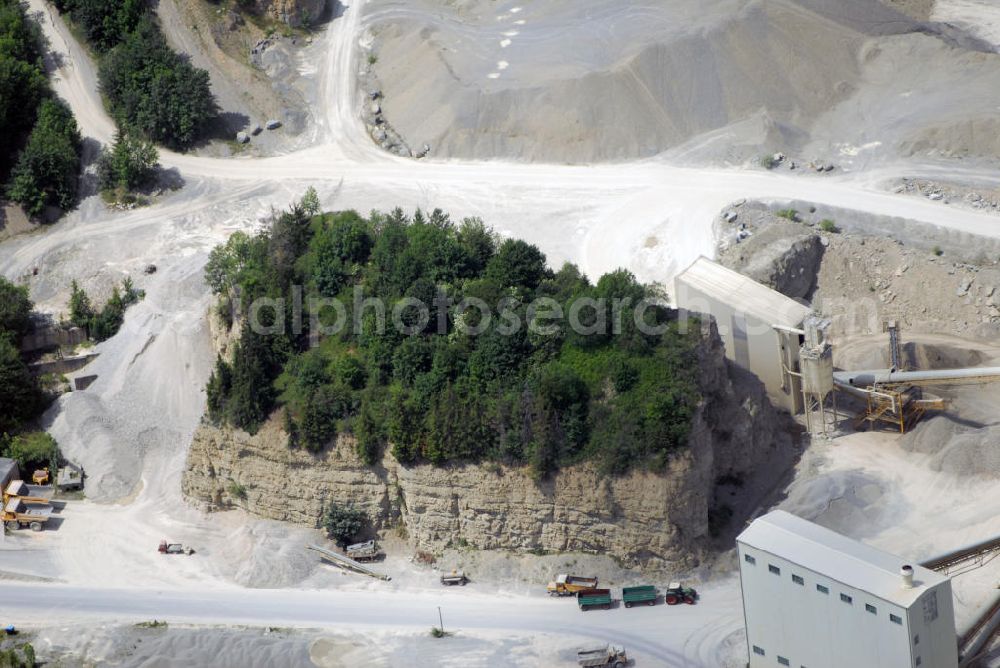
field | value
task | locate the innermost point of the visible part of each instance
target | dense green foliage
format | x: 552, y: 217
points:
x: 21, y: 398
x: 543, y: 395
x: 47, y: 169
x: 31, y: 451
x: 105, y: 323
x: 39, y: 142
x: 128, y: 164
x: 155, y: 92
x: 343, y: 523
x: 105, y: 23
x: 22, y: 80
x: 15, y: 309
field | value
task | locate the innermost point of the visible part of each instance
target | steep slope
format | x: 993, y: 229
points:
x: 650, y: 519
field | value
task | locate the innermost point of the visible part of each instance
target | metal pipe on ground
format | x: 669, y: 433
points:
x: 972, y: 643
x: 942, y: 376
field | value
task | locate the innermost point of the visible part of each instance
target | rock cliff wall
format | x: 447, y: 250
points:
x: 650, y: 519
x: 293, y: 12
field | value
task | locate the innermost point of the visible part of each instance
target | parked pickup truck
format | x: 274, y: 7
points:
x: 643, y: 594
x: 570, y: 585
x: 594, y: 598
x: 19, y: 513
x: 608, y: 655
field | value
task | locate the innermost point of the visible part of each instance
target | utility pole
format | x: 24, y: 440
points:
x: 440, y: 619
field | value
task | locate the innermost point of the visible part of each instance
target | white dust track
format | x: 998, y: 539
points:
x: 131, y: 429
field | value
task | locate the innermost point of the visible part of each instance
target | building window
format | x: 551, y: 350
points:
x: 846, y: 599
x: 774, y: 569
x: 797, y: 579
x: 758, y: 651
x: 871, y: 608
x: 750, y: 560
x: 782, y: 660
x: 917, y: 662
x: 895, y: 619
x: 916, y: 639
x: 821, y: 589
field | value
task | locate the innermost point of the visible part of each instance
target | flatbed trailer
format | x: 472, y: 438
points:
x: 594, y: 598
x: 640, y: 595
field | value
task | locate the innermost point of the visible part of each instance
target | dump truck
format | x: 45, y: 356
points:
x: 570, y: 585
x: 594, y: 598
x: 454, y: 578
x: 642, y: 594
x: 677, y: 593
x: 366, y: 551
x: 18, y: 513
x: 606, y: 655
x: 18, y: 489
x: 173, y: 548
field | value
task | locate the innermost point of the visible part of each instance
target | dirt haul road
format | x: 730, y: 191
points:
x: 679, y: 636
x: 131, y: 428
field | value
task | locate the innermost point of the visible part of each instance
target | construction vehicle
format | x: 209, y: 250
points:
x: 454, y: 578
x: 40, y: 476
x: 608, y: 655
x: 594, y: 598
x: 639, y: 595
x: 570, y: 585
x: 173, y: 548
x: 18, y: 513
x: 28, y: 493
x: 69, y: 477
x: 367, y: 551
x: 677, y: 593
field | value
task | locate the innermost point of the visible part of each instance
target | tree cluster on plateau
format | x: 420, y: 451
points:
x: 622, y: 397
x: 39, y: 144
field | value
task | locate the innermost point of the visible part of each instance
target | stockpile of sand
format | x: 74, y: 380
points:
x: 586, y: 81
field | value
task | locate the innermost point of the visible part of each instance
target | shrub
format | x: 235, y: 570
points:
x: 236, y: 490
x: 129, y: 164
x: 789, y: 214
x: 937, y: 251
x: 769, y: 161
x: 343, y: 523
x: 48, y: 168
x: 828, y: 225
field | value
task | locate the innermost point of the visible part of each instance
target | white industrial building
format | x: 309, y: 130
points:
x: 813, y: 598
x: 760, y: 327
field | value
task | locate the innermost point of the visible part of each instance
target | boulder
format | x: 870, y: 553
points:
x: 273, y: 124
x: 242, y: 137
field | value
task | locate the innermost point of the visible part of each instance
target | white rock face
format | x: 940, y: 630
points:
x: 643, y: 518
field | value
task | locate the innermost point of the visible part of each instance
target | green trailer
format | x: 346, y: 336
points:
x: 594, y: 598
x: 643, y: 594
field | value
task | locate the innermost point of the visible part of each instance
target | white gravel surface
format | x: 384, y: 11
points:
x: 132, y: 427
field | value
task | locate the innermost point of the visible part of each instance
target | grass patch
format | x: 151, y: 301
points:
x: 789, y: 214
